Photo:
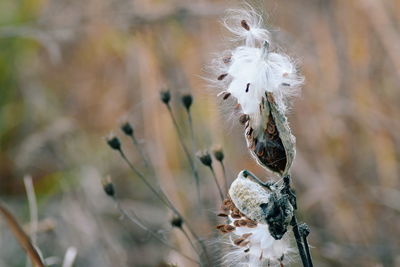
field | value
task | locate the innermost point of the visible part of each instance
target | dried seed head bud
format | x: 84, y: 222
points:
x: 127, y: 128
x: 165, y: 96
x: 114, y: 142
x: 177, y: 221
x: 218, y: 153
x: 108, y: 186
x: 187, y: 101
x: 204, y: 157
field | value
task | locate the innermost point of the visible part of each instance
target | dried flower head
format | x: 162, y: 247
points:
x: 177, y: 221
x: 205, y: 157
x: 108, y: 186
x: 165, y: 96
x: 127, y: 128
x: 262, y: 81
x: 218, y: 153
x: 114, y: 142
x: 187, y: 101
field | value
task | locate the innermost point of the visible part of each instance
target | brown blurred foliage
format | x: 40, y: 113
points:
x: 70, y: 71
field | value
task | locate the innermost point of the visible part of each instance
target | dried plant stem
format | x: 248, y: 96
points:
x: 189, y: 239
x: 136, y: 220
x: 22, y: 238
x: 299, y: 242
x: 191, y: 131
x: 165, y: 200
x: 159, y: 193
x: 307, y: 248
x: 303, y: 248
x: 221, y: 194
x: 33, y: 211
x: 185, y: 149
x: 224, y: 175
x: 141, y: 151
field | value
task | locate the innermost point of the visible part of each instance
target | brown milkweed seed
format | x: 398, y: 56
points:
x: 222, y: 76
x: 243, y: 118
x: 238, y: 241
x: 244, y: 24
x: 226, y: 96
x: 246, y: 235
x: 229, y: 228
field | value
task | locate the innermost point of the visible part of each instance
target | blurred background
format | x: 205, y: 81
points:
x: 72, y: 71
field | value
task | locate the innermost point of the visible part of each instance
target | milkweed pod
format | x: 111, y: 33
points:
x: 262, y: 205
x: 271, y: 142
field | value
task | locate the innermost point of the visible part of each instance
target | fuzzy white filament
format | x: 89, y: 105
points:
x: 263, y: 249
x: 251, y: 69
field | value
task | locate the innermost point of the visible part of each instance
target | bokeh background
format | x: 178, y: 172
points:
x: 72, y: 71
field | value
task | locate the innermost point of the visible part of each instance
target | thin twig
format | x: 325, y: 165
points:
x: 159, y: 193
x: 165, y: 200
x: 221, y: 194
x: 22, y: 237
x: 224, y: 175
x: 185, y: 149
x: 189, y: 239
x: 33, y: 210
x: 141, y: 151
x: 193, y: 151
x: 136, y: 220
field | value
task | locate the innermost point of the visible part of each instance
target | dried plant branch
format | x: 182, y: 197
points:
x: 21, y: 237
x: 180, y: 138
x: 221, y: 194
x: 136, y: 220
x: 115, y: 144
x: 33, y: 210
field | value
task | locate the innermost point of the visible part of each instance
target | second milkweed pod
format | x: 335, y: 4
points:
x: 255, y: 242
x: 261, y: 204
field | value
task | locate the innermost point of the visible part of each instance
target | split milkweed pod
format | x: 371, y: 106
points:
x: 261, y: 205
x: 271, y: 143
x: 256, y: 237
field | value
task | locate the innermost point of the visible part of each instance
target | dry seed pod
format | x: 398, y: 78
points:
x: 260, y: 206
x: 248, y: 196
x: 253, y: 238
x: 270, y: 140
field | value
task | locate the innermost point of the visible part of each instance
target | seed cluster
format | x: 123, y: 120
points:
x: 238, y: 220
